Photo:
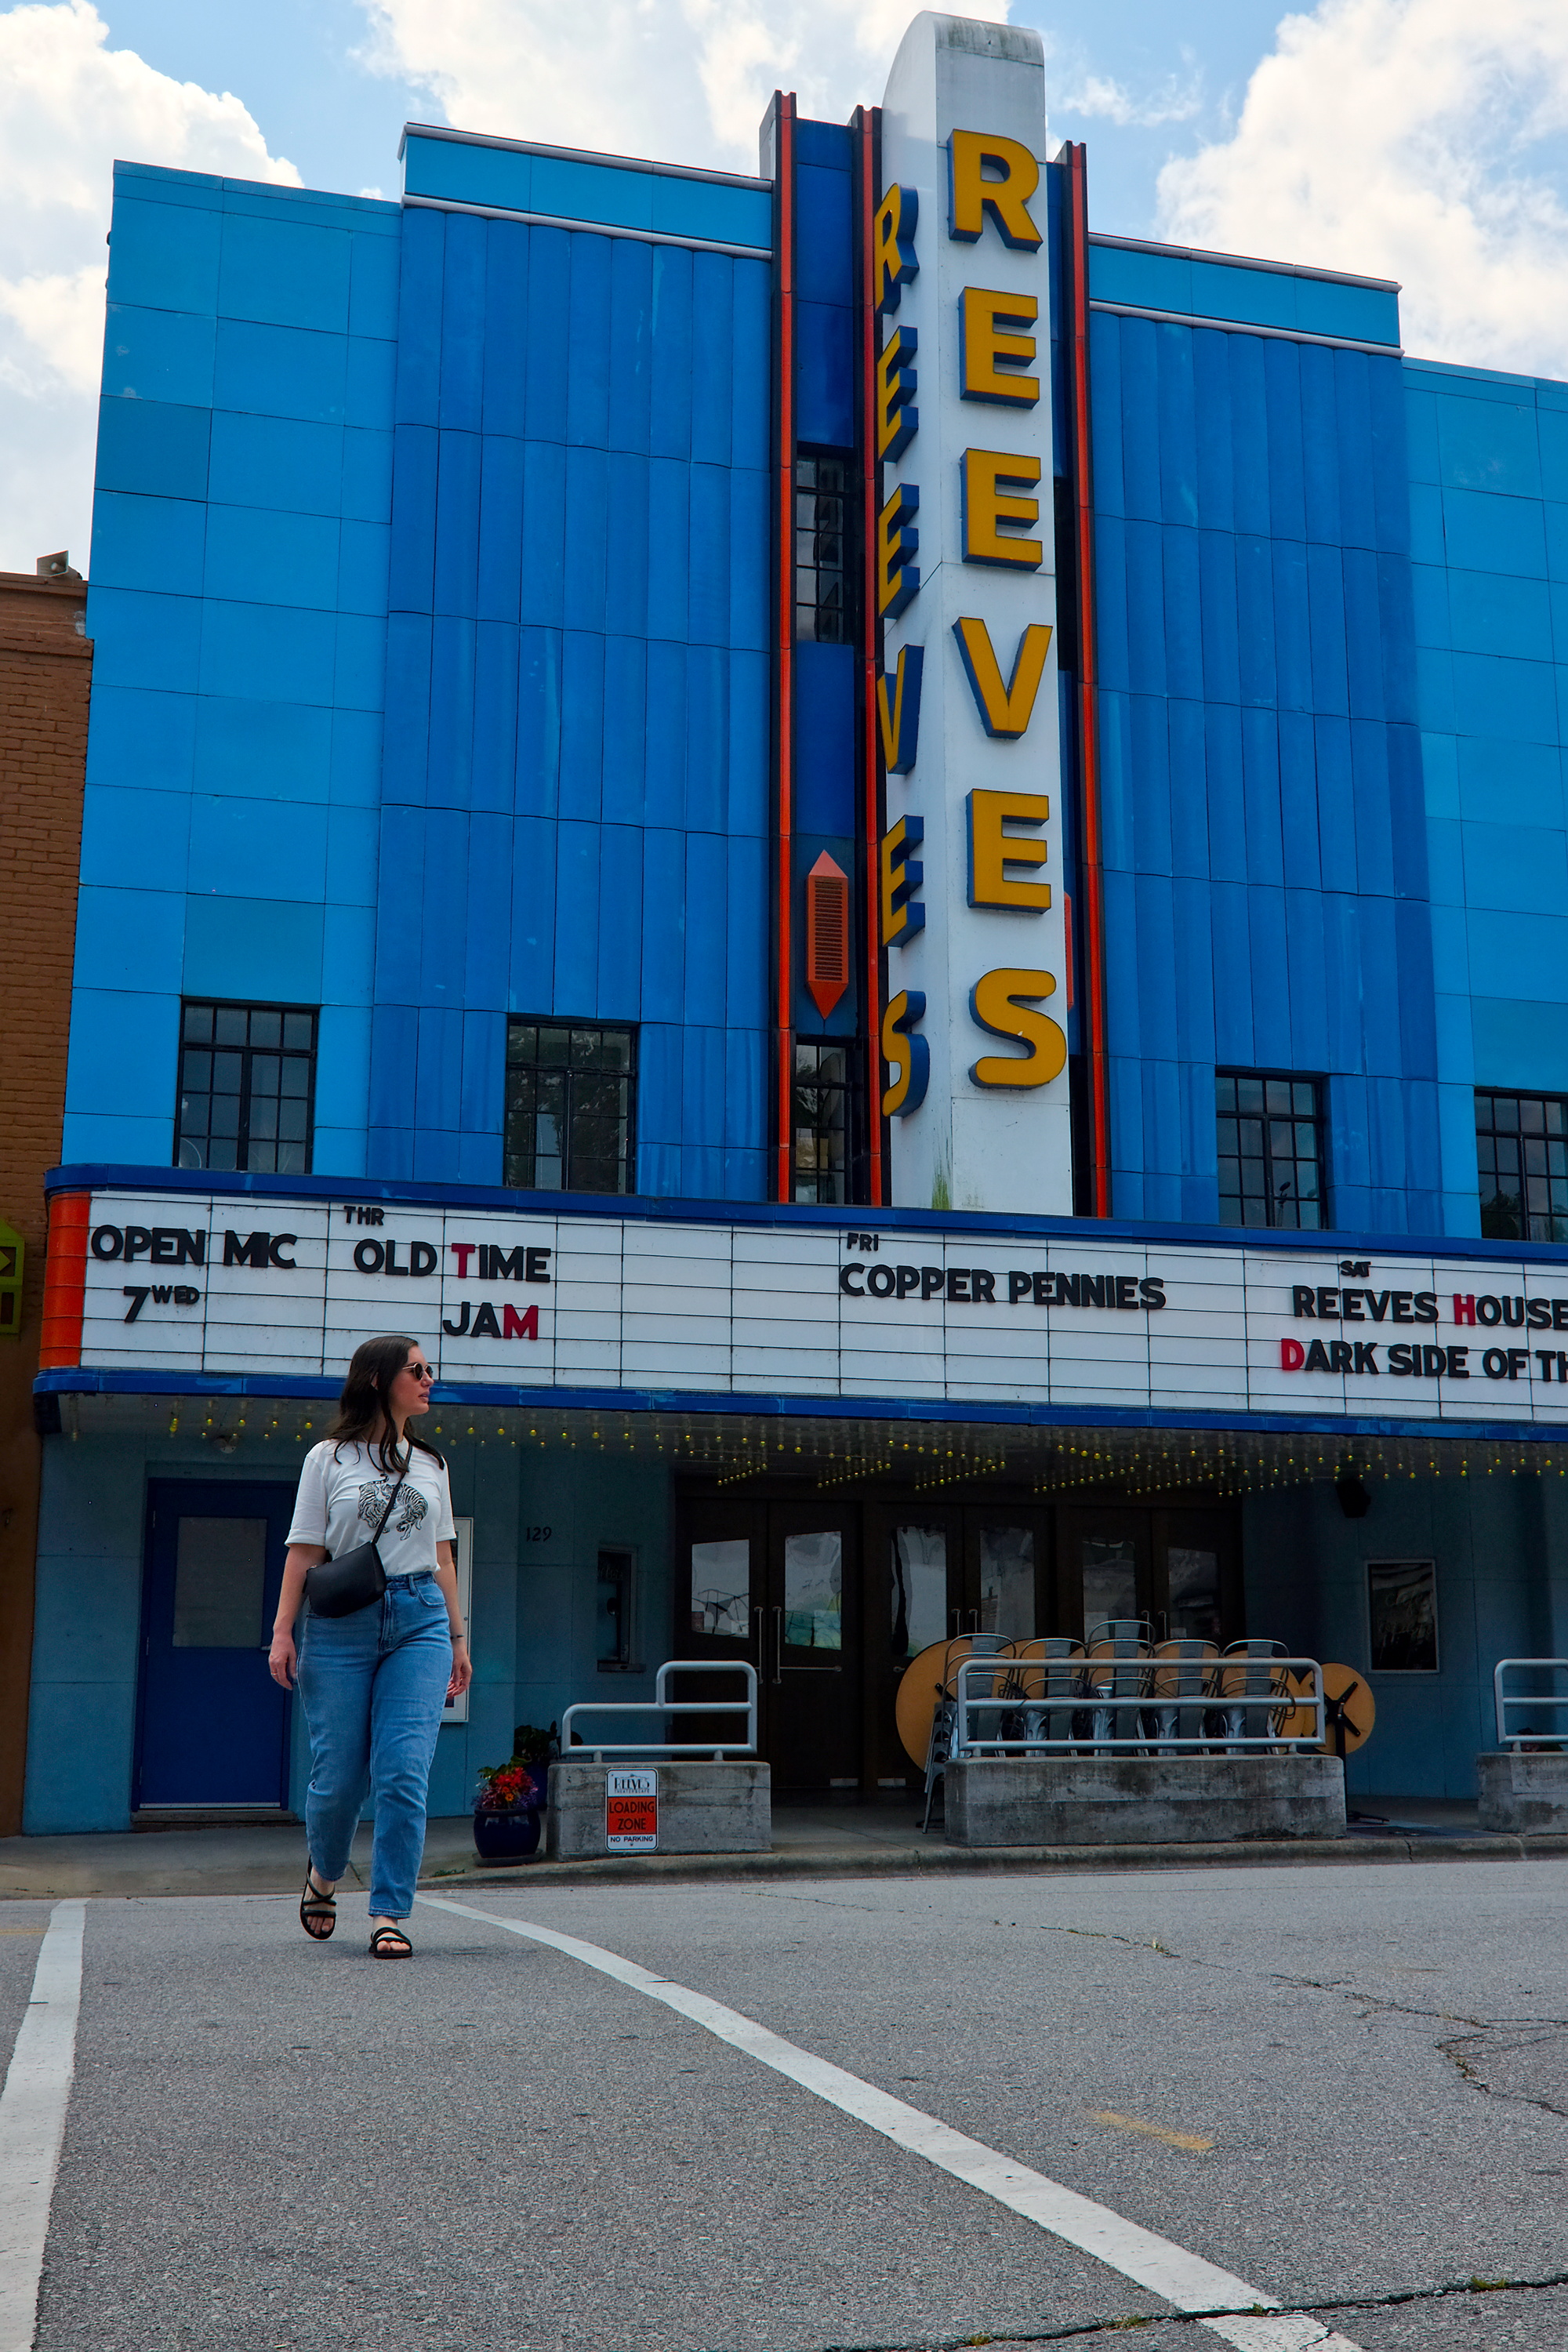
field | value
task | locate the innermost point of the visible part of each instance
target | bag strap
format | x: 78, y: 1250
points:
x: 396, y: 1490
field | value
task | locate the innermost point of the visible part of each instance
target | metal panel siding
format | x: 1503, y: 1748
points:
x: 1283, y: 766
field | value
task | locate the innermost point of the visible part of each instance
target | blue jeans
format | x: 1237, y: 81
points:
x: 374, y: 1686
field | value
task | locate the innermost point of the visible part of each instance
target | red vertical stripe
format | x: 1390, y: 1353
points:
x: 785, y: 843
x: 1087, y: 698
x: 871, y: 634
x: 65, y: 1280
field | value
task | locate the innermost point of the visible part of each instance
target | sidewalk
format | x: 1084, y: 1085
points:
x: 829, y: 1841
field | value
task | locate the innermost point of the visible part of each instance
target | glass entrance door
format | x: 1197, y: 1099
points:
x: 811, y: 1647
x: 1105, y: 1568
x: 776, y: 1586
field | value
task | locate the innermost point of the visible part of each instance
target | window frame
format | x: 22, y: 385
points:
x: 628, y: 1077
x: 815, y: 456
x: 1320, y: 1128
x: 847, y: 1092
x: 217, y: 1004
x: 1526, y: 1219
x: 627, y: 1662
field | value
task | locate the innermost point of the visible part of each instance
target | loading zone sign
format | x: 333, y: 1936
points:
x: 631, y: 1812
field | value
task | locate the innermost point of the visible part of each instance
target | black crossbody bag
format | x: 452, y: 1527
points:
x: 336, y: 1588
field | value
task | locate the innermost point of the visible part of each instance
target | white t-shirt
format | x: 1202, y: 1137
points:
x: 344, y: 1492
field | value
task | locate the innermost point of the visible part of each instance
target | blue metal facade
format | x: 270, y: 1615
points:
x: 529, y: 463
x: 238, y: 606
x: 430, y: 593
x: 1489, y: 517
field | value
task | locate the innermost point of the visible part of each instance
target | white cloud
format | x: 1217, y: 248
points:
x: 1100, y: 95
x: 679, y: 80
x: 71, y: 105
x: 1406, y: 139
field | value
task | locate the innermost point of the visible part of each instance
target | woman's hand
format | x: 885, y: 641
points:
x: 281, y: 1659
x: 462, y: 1670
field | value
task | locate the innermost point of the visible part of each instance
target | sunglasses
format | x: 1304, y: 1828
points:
x: 419, y: 1372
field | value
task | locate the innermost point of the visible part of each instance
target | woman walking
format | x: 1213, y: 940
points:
x: 373, y: 1681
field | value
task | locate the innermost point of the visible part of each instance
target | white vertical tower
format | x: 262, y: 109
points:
x: 963, y: 278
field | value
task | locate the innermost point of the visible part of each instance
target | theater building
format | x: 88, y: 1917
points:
x: 896, y: 870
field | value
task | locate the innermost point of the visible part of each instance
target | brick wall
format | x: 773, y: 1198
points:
x: 46, y: 670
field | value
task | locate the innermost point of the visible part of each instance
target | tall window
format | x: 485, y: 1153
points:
x: 1522, y: 1164
x: 570, y: 1107
x: 823, y: 564
x: 1270, y: 1139
x: 247, y: 1081
x: 822, y: 1121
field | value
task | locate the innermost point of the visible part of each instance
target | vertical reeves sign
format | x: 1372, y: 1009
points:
x: 975, y: 1046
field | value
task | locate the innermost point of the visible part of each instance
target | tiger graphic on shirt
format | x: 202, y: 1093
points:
x: 411, y: 1510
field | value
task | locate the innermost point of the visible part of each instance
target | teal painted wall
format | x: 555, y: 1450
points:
x: 532, y: 1608
x: 1500, y: 1545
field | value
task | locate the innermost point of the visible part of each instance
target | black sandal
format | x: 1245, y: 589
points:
x: 315, y: 1906
x: 391, y: 1944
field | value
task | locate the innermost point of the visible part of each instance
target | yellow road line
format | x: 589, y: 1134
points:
x: 1188, y: 2140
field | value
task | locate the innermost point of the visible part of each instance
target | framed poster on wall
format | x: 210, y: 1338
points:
x: 1402, y: 1612
x: 456, y: 1709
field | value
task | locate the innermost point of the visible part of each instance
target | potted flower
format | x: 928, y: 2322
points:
x: 511, y: 1798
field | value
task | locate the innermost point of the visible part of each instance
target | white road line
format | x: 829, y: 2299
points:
x: 33, y: 2121
x: 1235, y: 2312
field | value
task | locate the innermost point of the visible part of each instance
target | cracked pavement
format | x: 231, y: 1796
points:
x: 1348, y: 2087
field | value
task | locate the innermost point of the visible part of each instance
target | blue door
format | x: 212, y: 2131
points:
x: 214, y: 1725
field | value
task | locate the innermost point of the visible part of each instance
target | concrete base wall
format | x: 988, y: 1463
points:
x: 702, y: 1808
x: 1523, y: 1792
x: 1141, y: 1801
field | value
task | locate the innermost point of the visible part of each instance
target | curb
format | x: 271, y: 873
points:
x: 917, y: 1861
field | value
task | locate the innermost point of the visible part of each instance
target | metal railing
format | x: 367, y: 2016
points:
x: 1136, y: 1703
x: 597, y: 1749
x: 1557, y: 1700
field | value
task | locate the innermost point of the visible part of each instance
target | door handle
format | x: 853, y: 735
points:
x: 778, y: 1645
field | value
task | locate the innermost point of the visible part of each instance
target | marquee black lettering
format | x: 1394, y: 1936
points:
x: 108, y: 1241
x: 276, y: 1247
x: 1426, y: 1306
x: 1351, y: 1307
x: 883, y: 1280
x: 1403, y: 1358
x: 1328, y: 1306
x: 1045, y: 1289
x: 933, y: 1279
x: 1018, y: 1286
x: 253, y: 1251
x: 850, y: 1289
x: 1342, y: 1356
x: 1489, y: 1310
x: 1402, y: 1308
x: 909, y: 1278
x: 535, y: 1270
x: 1378, y: 1302
x: 1365, y: 1356
x: 982, y: 1286
x: 1303, y: 1297
x: 485, y: 1324
x: 1317, y: 1357
x: 137, y: 1242
x: 1513, y: 1311
x: 458, y: 1329
x: 958, y: 1282
x: 1152, y: 1291
x: 496, y: 1264
x: 1539, y: 1315
x: 1560, y: 1314
x: 1126, y: 1290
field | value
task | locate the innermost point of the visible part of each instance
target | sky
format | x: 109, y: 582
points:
x: 1420, y: 140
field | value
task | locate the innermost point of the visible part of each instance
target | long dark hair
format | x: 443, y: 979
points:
x: 362, y: 1412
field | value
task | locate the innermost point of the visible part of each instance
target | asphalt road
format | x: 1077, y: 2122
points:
x: 1348, y: 2087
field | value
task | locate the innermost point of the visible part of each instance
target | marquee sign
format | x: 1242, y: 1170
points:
x: 195, y: 1285
x: 972, y: 906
